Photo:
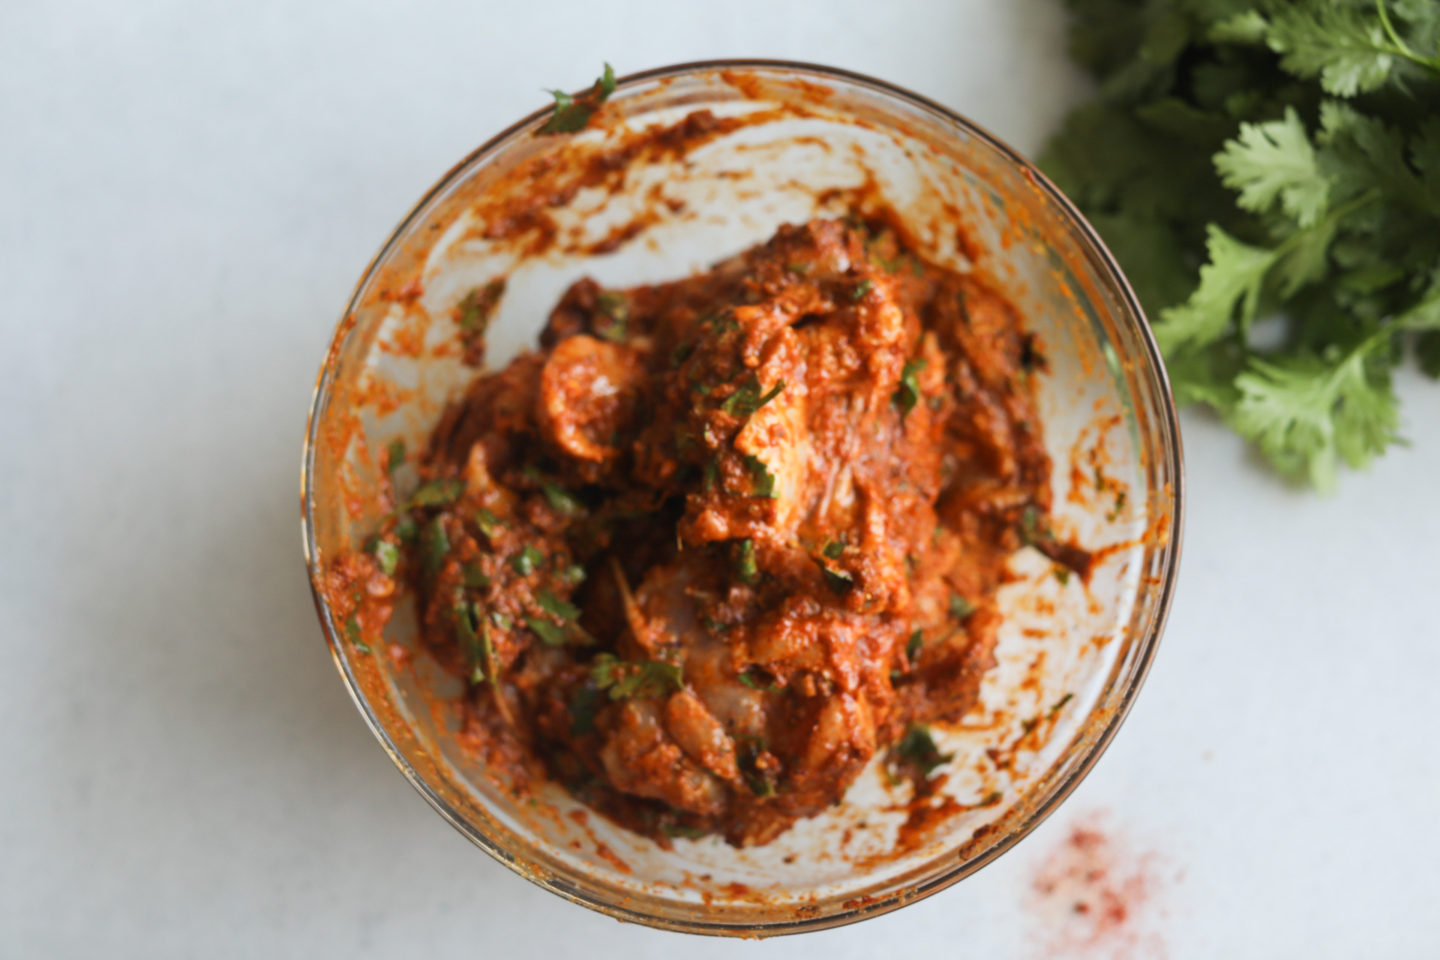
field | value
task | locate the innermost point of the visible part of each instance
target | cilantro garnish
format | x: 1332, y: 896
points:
x: 355, y: 636
x: 616, y: 309
x: 550, y: 633
x: 488, y: 523
x: 478, y: 307
x: 960, y: 608
x: 561, y: 609
x: 756, y: 767
x: 572, y: 113
x: 527, y: 561
x: 752, y: 678
x: 434, y: 545
x: 913, y: 647
x: 438, y: 493
x: 840, y: 581
x: 908, y: 393
x: 1309, y: 202
x: 917, y: 751
x: 625, y: 679
x: 386, y: 554
x: 745, y: 565
x: 473, y: 633
x: 747, y: 398
x: 560, y: 499
x: 760, y: 475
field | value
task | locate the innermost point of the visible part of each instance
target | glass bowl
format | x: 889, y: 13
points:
x: 625, y: 204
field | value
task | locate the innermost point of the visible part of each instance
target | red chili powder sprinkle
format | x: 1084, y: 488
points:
x: 1097, y: 896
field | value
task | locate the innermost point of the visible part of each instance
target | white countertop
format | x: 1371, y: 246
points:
x: 189, y: 190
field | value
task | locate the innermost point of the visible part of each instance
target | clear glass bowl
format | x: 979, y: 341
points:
x: 1072, y: 655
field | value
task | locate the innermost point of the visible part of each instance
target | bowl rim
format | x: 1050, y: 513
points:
x: 698, y: 924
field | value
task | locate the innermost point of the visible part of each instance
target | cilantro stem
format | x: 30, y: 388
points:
x: 1401, y: 48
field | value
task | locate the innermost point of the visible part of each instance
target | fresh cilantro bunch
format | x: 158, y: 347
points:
x: 1267, y: 172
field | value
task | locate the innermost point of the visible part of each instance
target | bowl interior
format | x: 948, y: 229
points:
x: 794, y: 143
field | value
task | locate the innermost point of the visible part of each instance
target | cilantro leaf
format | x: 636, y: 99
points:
x: 560, y: 499
x: 438, y: 493
x: 1232, y: 279
x: 907, y: 395
x: 355, y: 635
x: 616, y: 309
x: 527, y: 561
x: 1344, y: 46
x: 1272, y: 163
x: 917, y: 751
x: 572, y: 113
x: 386, y: 554
x: 913, y: 647
x: 746, y: 568
x: 626, y: 679
x: 478, y: 307
x: 747, y: 398
x: 561, y: 609
x: 764, y: 480
x: 1306, y: 413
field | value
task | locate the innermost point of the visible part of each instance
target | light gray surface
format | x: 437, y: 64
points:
x: 188, y: 192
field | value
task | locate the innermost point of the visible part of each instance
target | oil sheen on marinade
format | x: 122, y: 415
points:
x: 720, y: 541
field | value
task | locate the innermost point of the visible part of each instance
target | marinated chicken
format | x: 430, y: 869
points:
x: 720, y: 541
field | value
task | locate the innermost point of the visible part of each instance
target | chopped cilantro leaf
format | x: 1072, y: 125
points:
x: 560, y: 499
x: 917, y: 751
x: 914, y: 646
x: 752, y: 678
x: 572, y: 113
x: 756, y: 767
x: 862, y: 288
x: 488, y: 523
x: 764, y: 480
x: 960, y: 608
x: 434, y: 546
x: 552, y: 634
x: 626, y: 679
x: 355, y: 636
x: 745, y: 565
x: 838, y: 580
x: 552, y: 604
x: 747, y: 398
x: 438, y: 493
x: 527, y: 561
x: 908, y: 393
x: 387, y: 555
x: 474, y: 577
x: 478, y: 308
